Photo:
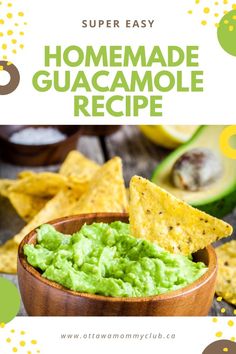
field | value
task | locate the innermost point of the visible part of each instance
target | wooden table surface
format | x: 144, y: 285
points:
x: 139, y: 157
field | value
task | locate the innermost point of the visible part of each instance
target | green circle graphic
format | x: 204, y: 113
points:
x: 227, y: 32
x: 9, y: 300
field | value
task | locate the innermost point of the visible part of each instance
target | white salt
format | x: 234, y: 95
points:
x: 37, y: 136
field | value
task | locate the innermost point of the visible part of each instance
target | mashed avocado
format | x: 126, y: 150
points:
x: 105, y: 259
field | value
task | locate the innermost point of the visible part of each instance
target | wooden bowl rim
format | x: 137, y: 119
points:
x: 212, y: 267
x: 58, y: 143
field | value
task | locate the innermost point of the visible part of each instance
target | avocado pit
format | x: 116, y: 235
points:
x: 196, y: 169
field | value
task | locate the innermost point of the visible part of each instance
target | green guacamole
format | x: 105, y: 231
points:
x: 105, y: 259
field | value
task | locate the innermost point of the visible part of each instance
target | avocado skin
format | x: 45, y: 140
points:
x: 221, y: 207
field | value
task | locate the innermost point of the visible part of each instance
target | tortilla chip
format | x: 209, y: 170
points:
x: 226, y: 277
x: 43, y: 184
x: 26, y: 206
x: 5, y: 184
x: 158, y: 216
x: 78, y: 166
x: 8, y: 257
x: 58, y: 206
x: 226, y: 284
x: 227, y: 254
x: 25, y: 174
x: 106, y: 192
x: 61, y: 204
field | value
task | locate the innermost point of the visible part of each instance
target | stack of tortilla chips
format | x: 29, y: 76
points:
x: 81, y: 186
x: 226, y: 281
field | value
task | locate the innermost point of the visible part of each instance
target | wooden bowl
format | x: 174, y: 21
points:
x: 37, y: 155
x: 47, y: 154
x: 42, y: 297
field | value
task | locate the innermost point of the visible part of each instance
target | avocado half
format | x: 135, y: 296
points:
x: 218, y: 198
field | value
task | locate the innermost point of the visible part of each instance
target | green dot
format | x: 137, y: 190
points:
x: 227, y: 32
x: 9, y: 300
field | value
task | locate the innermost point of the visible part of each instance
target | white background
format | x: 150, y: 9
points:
x: 59, y: 22
x: 193, y: 335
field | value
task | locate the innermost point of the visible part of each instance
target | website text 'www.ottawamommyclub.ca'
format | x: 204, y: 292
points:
x: 118, y: 336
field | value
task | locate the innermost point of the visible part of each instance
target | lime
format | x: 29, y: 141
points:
x: 169, y: 136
